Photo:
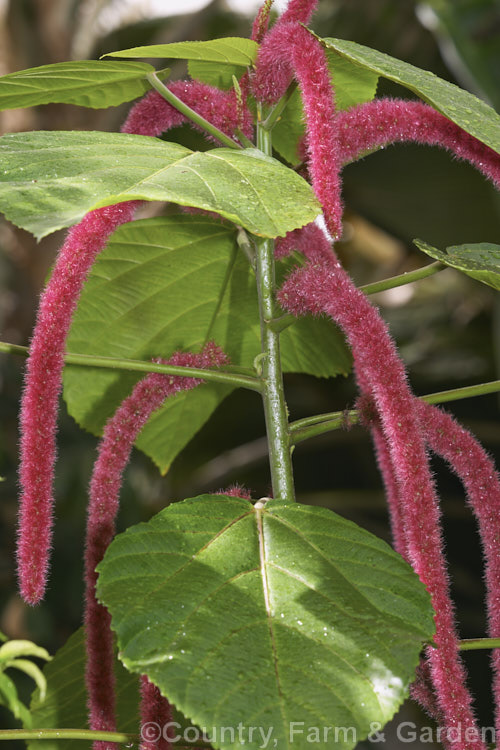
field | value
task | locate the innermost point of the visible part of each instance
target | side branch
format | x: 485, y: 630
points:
x: 135, y: 365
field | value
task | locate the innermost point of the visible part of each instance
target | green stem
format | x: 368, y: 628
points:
x: 404, y: 278
x: 468, y: 391
x: 279, y: 324
x: 66, y: 734
x: 473, y: 644
x: 234, y: 378
x: 275, y: 114
x: 309, y: 427
x: 275, y: 409
x: 188, y: 112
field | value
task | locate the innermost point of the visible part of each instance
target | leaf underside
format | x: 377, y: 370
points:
x: 226, y: 51
x: 481, y: 261
x: 86, y: 83
x: 266, y: 618
x: 461, y: 107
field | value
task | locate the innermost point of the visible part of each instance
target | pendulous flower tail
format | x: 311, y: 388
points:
x: 120, y: 433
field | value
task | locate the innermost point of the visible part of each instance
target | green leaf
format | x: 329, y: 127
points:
x: 13, y: 649
x: 459, y: 106
x: 51, y: 180
x: 139, y: 303
x: 65, y: 703
x: 33, y: 671
x: 267, y: 617
x: 214, y: 73
x: 10, y: 698
x: 353, y: 85
x: 481, y: 260
x: 87, y: 83
x: 227, y: 51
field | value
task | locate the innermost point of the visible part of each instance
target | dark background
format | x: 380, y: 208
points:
x: 447, y: 326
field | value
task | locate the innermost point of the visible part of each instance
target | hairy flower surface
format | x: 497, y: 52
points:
x: 43, y: 385
x: 155, y: 715
x: 120, y: 433
x: 475, y: 469
x: 381, y: 122
x: 327, y: 288
x: 292, y: 49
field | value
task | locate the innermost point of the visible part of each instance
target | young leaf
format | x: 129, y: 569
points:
x: 66, y: 702
x: 353, y: 85
x: 285, y: 617
x: 87, y: 83
x: 227, y: 51
x: 49, y: 180
x: 161, y: 285
x: 470, y: 113
x: 481, y: 260
x: 13, y: 649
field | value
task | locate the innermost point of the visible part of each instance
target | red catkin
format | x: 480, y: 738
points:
x: 41, y: 395
x: 475, y: 469
x: 381, y: 122
x: 290, y: 48
x: 38, y: 418
x: 326, y: 288
x: 155, y: 715
x: 236, y: 490
x: 120, y: 433
x: 306, y: 240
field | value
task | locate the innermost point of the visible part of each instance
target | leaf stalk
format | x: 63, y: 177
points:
x: 232, y: 377
x: 174, y: 100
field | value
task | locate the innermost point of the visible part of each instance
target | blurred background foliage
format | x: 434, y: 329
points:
x: 447, y: 327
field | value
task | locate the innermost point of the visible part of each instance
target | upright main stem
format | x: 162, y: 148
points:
x: 275, y: 409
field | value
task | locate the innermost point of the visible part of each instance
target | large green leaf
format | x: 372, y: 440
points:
x: 88, y: 83
x: 481, y: 260
x: 285, y: 617
x: 353, y: 85
x: 66, y: 702
x: 226, y: 51
x: 49, y: 180
x: 461, y: 107
x: 160, y: 285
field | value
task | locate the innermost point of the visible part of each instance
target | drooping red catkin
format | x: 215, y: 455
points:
x: 470, y: 462
x: 155, y: 715
x: 38, y: 419
x: 295, y: 50
x: 327, y: 288
x: 120, y: 433
x: 385, y: 121
x: 305, y: 240
x: 43, y: 384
